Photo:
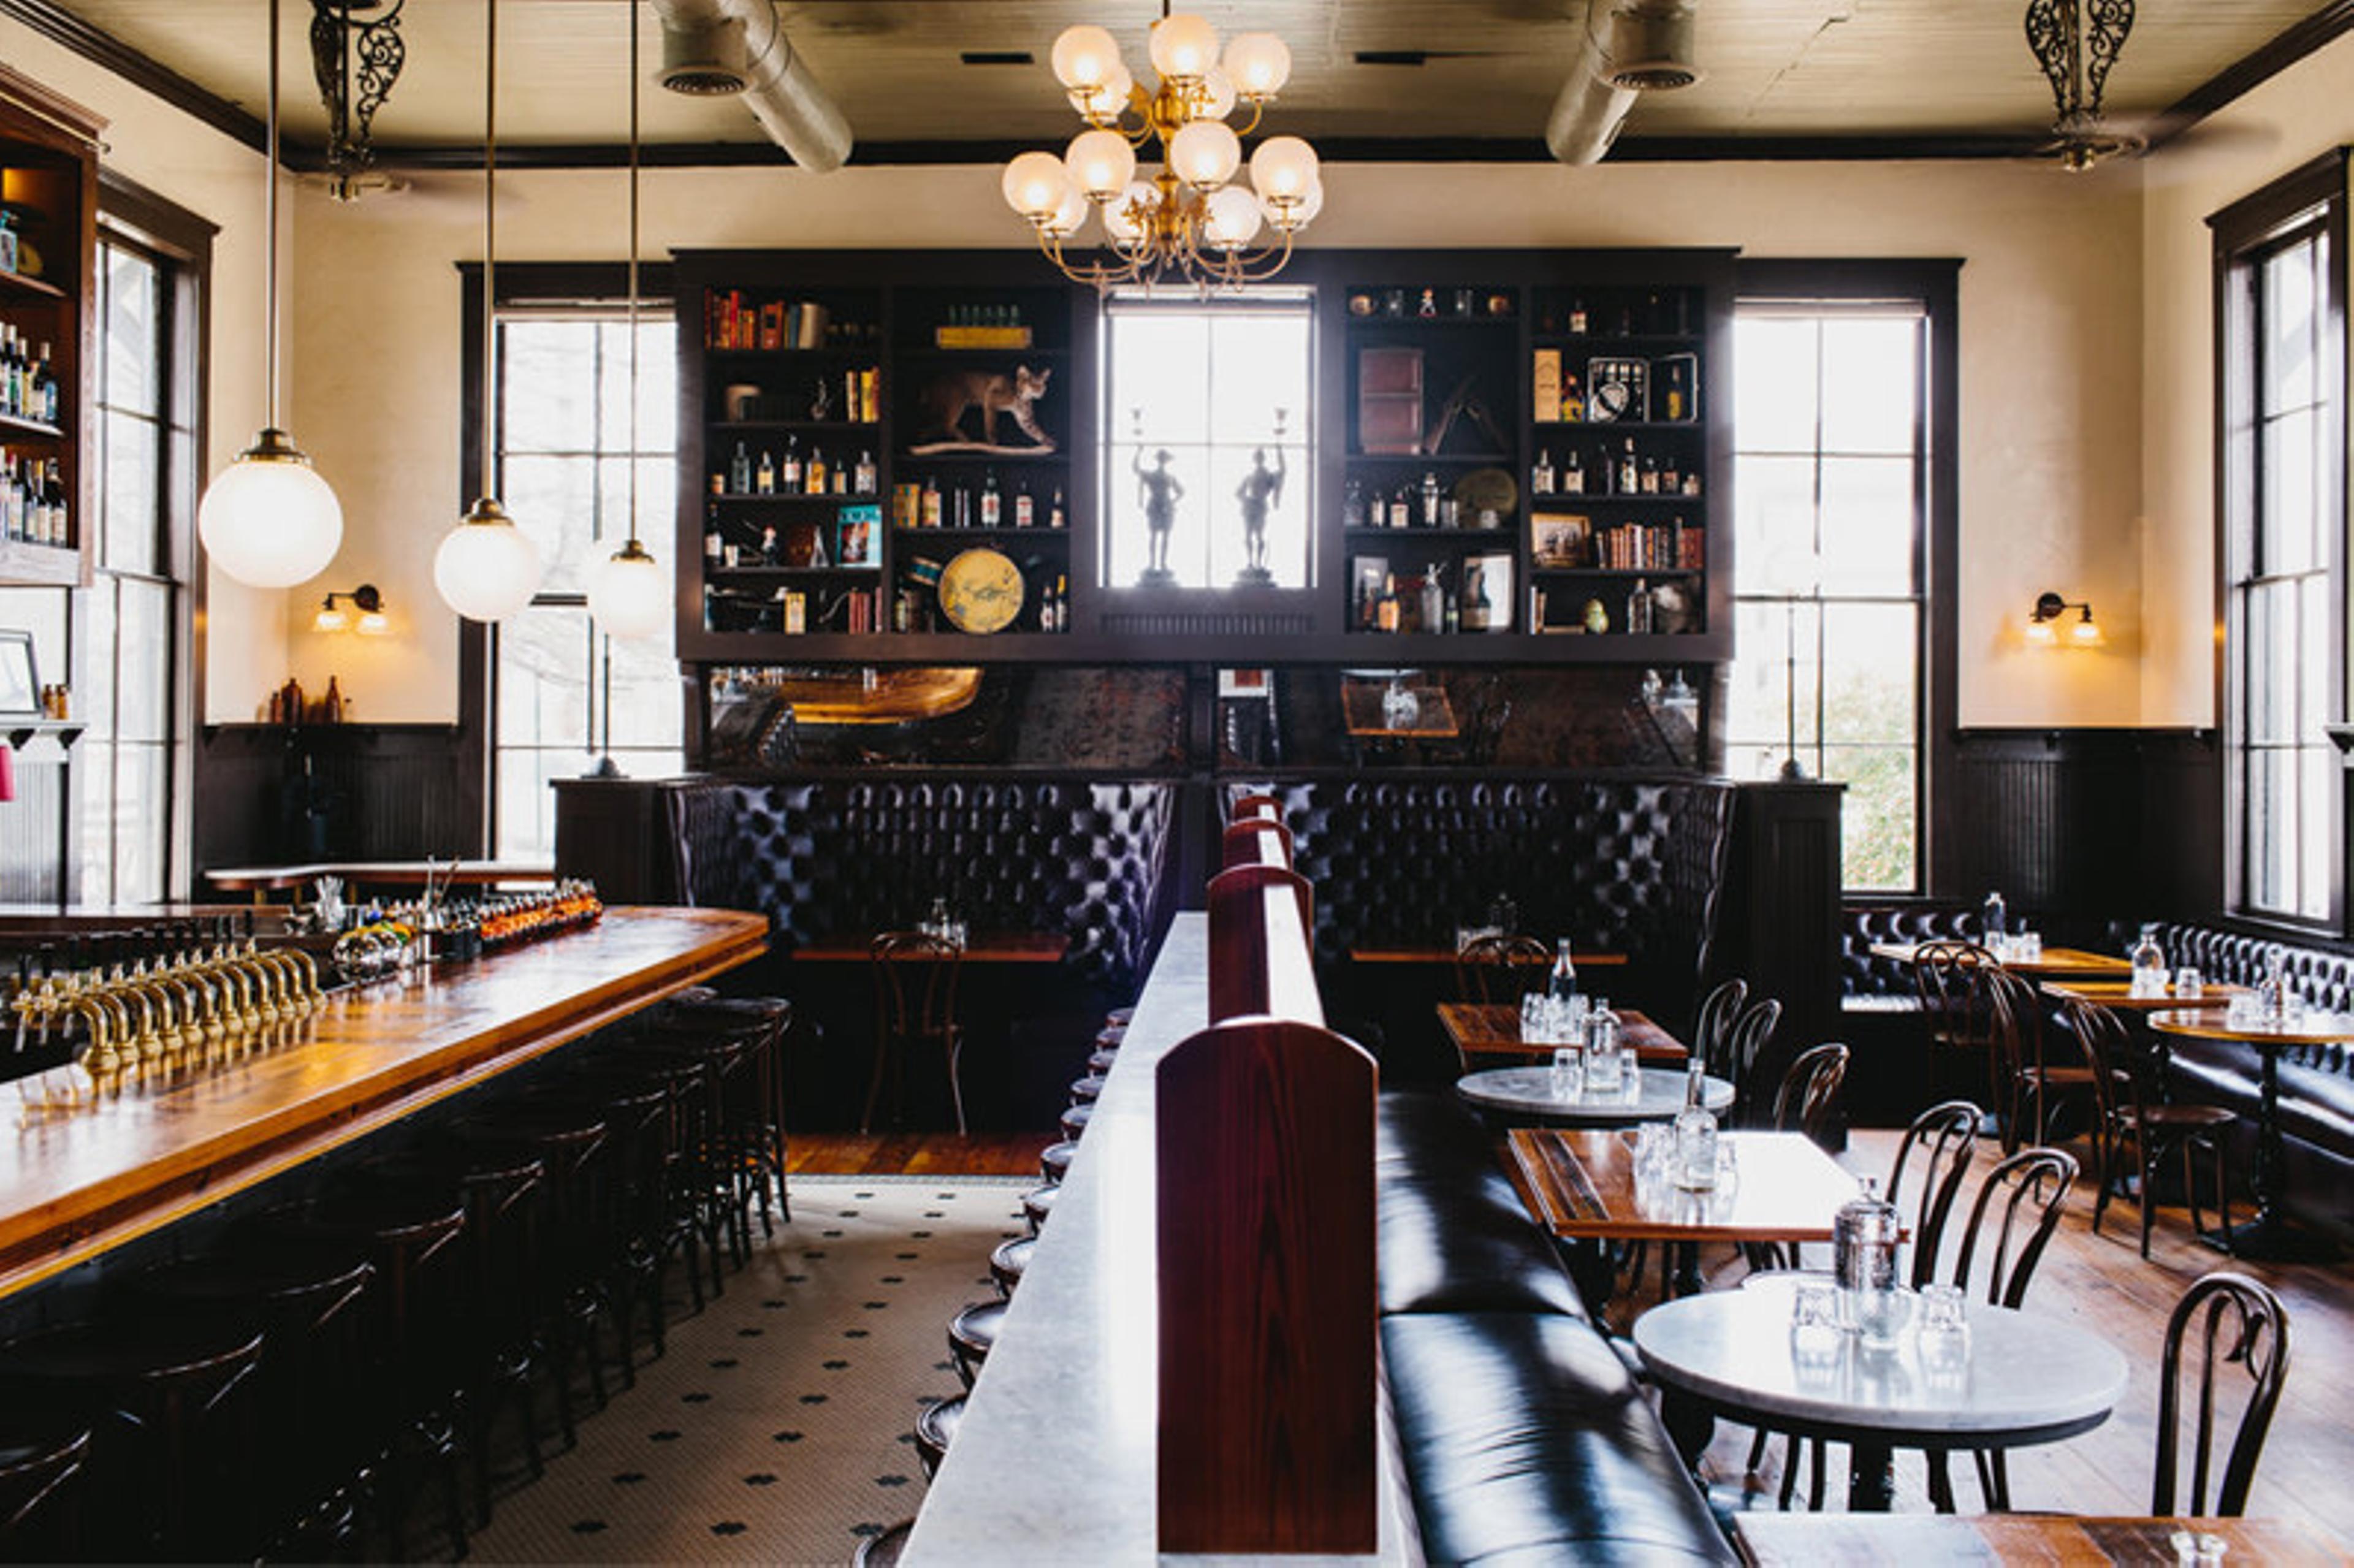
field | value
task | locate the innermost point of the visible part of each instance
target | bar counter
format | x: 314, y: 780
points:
x: 1056, y: 1458
x: 75, y: 1183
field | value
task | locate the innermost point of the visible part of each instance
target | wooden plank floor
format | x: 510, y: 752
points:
x: 918, y: 1153
x: 2101, y: 1283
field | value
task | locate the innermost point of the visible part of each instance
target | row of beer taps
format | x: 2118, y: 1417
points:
x: 153, y: 1003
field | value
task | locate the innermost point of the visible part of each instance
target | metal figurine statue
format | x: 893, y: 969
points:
x: 1260, y: 491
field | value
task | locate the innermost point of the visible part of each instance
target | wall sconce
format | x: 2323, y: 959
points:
x: 367, y: 600
x: 2042, y: 631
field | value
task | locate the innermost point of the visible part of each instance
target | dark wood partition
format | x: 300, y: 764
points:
x: 1266, y: 1217
x: 1260, y: 962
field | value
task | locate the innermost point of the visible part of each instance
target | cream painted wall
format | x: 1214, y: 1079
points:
x: 218, y: 179
x: 2051, y: 366
x: 2298, y: 115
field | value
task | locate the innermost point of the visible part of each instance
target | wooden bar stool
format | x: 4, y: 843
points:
x: 44, y: 1465
x: 633, y: 1219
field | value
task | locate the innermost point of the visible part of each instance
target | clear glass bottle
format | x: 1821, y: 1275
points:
x: 1562, y: 984
x: 2149, y: 964
x: 1695, y: 1128
x: 1540, y: 479
x: 1994, y: 916
x: 1863, y: 1261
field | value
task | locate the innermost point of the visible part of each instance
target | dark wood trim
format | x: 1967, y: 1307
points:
x: 1937, y: 284
x: 110, y: 53
x: 2252, y: 69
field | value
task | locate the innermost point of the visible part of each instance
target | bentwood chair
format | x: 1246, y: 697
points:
x: 1739, y: 1050
x: 915, y: 1008
x: 1500, y: 967
x: 2033, y: 1071
x: 2247, y: 1323
x: 1807, y: 1100
x: 2135, y: 1129
x: 1957, y: 1006
x: 1714, y: 1018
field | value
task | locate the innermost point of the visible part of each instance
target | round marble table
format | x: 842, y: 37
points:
x: 2023, y: 1380
x: 1526, y: 1092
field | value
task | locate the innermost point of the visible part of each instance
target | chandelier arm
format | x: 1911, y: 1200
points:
x: 1258, y: 112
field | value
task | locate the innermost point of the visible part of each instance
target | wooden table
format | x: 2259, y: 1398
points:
x: 980, y: 947
x: 1438, y: 955
x: 1493, y: 1029
x: 261, y: 879
x: 2054, y: 964
x: 2269, y: 1235
x: 1525, y: 1094
x: 2119, y: 994
x: 1869, y: 1541
x: 2023, y: 1379
x: 75, y: 1183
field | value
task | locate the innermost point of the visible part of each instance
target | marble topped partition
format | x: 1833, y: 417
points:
x: 1057, y: 1456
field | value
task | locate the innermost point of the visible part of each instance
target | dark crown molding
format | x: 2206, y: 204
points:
x: 2252, y: 70
x: 54, y: 21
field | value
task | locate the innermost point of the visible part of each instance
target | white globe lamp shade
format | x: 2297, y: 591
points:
x: 1101, y: 163
x: 1206, y: 154
x: 1233, y: 218
x: 1033, y: 184
x: 1184, y: 47
x: 1284, y: 170
x: 1257, y: 63
x: 268, y: 520
x: 1071, y: 216
x: 1106, y: 103
x: 1293, y: 215
x: 1219, y: 103
x: 629, y: 593
x: 486, y: 569
x: 1085, y: 57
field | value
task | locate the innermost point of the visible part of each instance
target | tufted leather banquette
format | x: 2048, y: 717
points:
x: 1631, y: 864
x: 824, y: 856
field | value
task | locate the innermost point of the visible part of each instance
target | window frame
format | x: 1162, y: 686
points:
x: 1934, y: 285
x: 521, y: 285
x: 2310, y: 200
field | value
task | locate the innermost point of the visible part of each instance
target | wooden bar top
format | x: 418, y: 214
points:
x: 1840, y: 1540
x: 75, y: 1183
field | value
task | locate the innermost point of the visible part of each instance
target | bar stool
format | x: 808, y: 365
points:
x: 1008, y: 1263
x: 936, y: 1428
x: 44, y: 1465
x: 633, y: 1217
x: 1112, y: 1037
x: 1074, y: 1122
x: 173, y: 1449
x: 1100, y: 1059
x: 1054, y: 1159
x: 1086, y: 1091
x: 696, y: 1195
x: 765, y: 1022
x: 1038, y: 1205
x: 1120, y: 1017
x: 307, y: 1300
x: 884, y: 1550
x: 971, y: 1334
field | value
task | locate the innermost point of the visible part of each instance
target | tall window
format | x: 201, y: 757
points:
x: 1207, y: 412
x: 563, y: 693
x: 2281, y: 476
x: 1832, y: 479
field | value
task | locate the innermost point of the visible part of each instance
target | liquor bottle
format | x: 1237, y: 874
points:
x: 1695, y: 1133
x: 1385, y: 609
x: 1062, y: 602
x: 960, y: 507
x: 56, y: 491
x: 1671, y: 478
x: 1676, y: 403
x: 841, y: 477
x: 1629, y: 480
x: 1562, y: 984
x: 1572, y: 400
x: 769, y: 556
x: 1573, y: 475
x: 992, y: 502
x: 866, y: 480
x: 1577, y: 318
x: 1353, y: 506
x: 1479, y: 608
x: 715, y: 548
x: 931, y: 512
x: 1429, y: 498
x: 49, y: 385
x: 1401, y: 508
x: 739, y: 472
x: 813, y: 476
x: 764, y: 477
x: 1650, y: 478
x: 2148, y: 965
x: 1638, y: 607
x: 1540, y: 479
x: 1055, y: 510
x: 792, y: 474
x: 1026, y: 505
x: 1993, y: 917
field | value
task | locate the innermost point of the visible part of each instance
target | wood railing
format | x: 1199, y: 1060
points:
x: 1265, y: 1167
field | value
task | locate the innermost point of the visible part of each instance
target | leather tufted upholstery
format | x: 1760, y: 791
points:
x: 1860, y: 926
x: 1631, y: 864
x: 824, y: 856
x: 1525, y: 1439
x: 1453, y: 1235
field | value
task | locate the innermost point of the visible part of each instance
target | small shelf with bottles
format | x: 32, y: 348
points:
x: 47, y: 248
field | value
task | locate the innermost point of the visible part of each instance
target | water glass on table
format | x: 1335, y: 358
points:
x: 2189, y: 983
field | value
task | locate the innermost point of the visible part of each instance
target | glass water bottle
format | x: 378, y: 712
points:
x: 2149, y: 964
x: 1696, y: 1134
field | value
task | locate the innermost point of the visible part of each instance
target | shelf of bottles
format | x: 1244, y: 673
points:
x: 40, y: 316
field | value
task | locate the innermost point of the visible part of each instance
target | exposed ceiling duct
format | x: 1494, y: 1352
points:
x: 1627, y: 47
x: 725, y: 47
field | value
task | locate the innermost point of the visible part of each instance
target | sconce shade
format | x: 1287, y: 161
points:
x: 629, y: 594
x: 268, y: 520
x: 486, y: 569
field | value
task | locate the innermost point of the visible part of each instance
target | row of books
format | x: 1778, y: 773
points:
x: 731, y: 322
x: 1677, y: 546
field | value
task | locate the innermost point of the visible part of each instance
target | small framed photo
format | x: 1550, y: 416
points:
x: 20, y: 681
x: 854, y: 533
x: 1617, y: 389
x: 1366, y: 575
x: 1561, y: 539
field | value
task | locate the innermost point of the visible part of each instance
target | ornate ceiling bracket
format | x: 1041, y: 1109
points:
x: 2075, y: 42
x: 356, y: 53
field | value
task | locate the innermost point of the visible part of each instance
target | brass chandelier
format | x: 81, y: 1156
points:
x: 1190, y: 222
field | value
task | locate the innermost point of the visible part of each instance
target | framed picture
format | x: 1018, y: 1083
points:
x: 1366, y: 575
x: 1561, y: 539
x: 1617, y: 389
x: 854, y: 535
x: 20, y: 684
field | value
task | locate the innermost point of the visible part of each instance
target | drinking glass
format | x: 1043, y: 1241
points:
x: 1814, y: 1321
x: 2197, y: 1547
x: 2030, y: 946
x: 1566, y: 1083
x: 2189, y: 983
x: 1534, y: 1007
x: 1630, y: 1074
x: 1945, y: 1323
x: 1881, y: 1313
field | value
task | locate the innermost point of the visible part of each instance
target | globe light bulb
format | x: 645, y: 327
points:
x: 486, y: 569
x: 1071, y: 216
x: 1127, y: 217
x: 268, y: 520
x: 1259, y: 64
x: 1085, y: 57
x: 1290, y: 217
x: 1107, y: 102
x: 1033, y: 184
x: 1217, y: 97
x: 1283, y: 169
x: 629, y: 593
x: 1101, y: 163
x: 1184, y: 47
x: 1206, y: 154
x: 1231, y: 219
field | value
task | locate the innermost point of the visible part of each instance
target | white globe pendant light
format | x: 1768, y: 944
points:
x: 268, y: 520
x: 629, y: 593
x: 487, y: 569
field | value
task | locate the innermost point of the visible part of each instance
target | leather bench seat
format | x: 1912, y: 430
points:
x: 1453, y: 1235
x: 1526, y: 1441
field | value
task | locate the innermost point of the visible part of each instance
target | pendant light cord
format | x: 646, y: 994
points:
x: 634, y: 272
x: 489, y: 238
x: 270, y: 227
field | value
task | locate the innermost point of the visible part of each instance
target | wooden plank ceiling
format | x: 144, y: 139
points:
x: 1844, y: 68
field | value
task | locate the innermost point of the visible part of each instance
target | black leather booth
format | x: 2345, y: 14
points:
x: 1523, y: 1437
